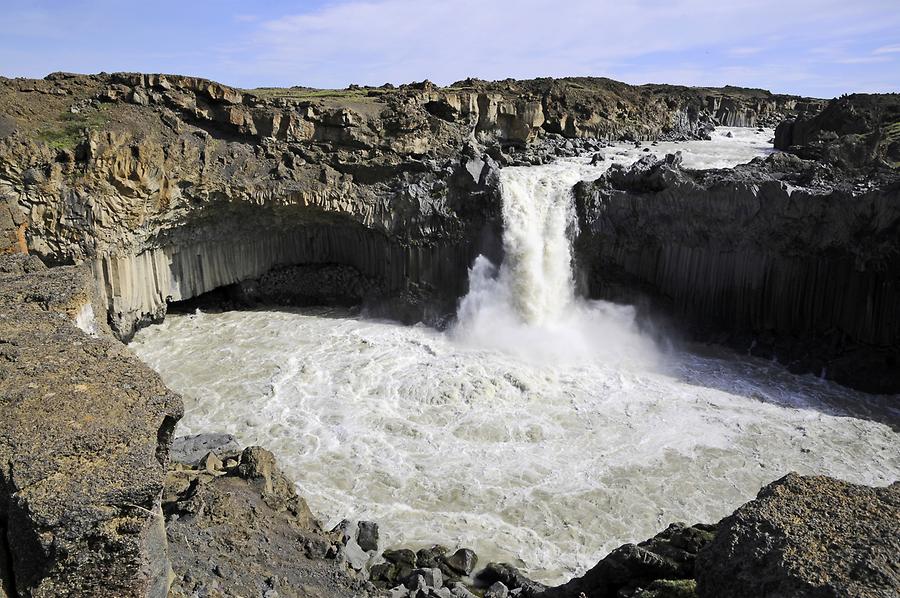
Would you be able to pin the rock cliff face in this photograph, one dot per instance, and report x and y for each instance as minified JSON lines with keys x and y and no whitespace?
{"x":172,"y":186}
{"x":84,"y":439}
{"x":786,"y":263}
{"x":852,"y":131}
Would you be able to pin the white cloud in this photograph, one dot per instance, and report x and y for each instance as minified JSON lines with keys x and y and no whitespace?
{"x":892,"y":49}
{"x":373,"y":41}
{"x":864,"y":60}
{"x":745,"y":50}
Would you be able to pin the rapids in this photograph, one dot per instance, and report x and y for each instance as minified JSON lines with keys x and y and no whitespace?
{"x":542,"y":429}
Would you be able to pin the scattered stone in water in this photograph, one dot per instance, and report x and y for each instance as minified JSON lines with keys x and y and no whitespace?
{"x":462,"y":562}
{"x":432,"y":578}
{"x":461,"y":591}
{"x":367,"y":535}
{"x":431,"y":557}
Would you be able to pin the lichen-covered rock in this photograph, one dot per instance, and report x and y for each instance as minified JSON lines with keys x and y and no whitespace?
{"x":807,"y":537}
{"x":84,"y":434}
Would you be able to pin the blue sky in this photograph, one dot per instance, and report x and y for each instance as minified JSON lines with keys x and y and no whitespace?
{"x":812,"y":47}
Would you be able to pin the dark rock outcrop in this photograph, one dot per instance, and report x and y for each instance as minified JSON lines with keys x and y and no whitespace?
{"x":807,"y":537}
{"x":633,"y":569}
{"x":787,"y":257}
{"x":854,"y":131}
{"x":84,"y":435}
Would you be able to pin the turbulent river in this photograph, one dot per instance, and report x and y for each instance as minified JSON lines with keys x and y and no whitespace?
{"x":542,"y":429}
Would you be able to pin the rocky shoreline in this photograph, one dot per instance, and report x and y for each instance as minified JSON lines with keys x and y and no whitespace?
{"x":146,"y":190}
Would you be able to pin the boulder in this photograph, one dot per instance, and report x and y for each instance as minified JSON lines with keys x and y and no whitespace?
{"x":670,"y":555}
{"x":430,"y":557}
{"x":190,"y":449}
{"x":807,"y":537}
{"x":511,"y":577}
{"x":431,"y":577}
{"x":367,"y":535}
{"x":462,"y":562}
{"x":497,"y":590}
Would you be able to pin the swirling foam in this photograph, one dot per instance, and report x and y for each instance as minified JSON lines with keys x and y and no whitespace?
{"x":543,"y":430}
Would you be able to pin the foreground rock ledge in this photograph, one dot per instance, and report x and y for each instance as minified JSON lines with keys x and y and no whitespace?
{"x":84,"y":432}
{"x":807,"y":537}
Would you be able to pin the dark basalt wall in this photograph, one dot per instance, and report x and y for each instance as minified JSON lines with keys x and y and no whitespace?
{"x":138,"y":288}
{"x":812,"y":278}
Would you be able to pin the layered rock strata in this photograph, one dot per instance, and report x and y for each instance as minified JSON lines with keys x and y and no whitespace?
{"x":173,"y":186}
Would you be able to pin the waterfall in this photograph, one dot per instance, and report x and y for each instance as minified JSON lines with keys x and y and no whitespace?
{"x":527,"y":306}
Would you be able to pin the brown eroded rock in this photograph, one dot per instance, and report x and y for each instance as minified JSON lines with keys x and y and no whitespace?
{"x":242,"y":530}
{"x":807,"y":537}
{"x":84,"y":429}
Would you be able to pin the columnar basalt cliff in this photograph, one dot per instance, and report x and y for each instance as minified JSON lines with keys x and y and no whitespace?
{"x":173,"y":186}
{"x":789,"y":258}
{"x":148,"y":189}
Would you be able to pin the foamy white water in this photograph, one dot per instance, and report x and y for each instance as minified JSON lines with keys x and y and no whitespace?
{"x":543,"y":430}
{"x":527,"y":307}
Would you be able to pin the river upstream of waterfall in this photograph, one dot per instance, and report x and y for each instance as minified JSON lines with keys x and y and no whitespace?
{"x":541,"y":429}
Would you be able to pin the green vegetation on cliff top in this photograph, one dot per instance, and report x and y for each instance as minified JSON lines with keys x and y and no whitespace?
{"x":69,"y":129}
{"x":306,"y":93}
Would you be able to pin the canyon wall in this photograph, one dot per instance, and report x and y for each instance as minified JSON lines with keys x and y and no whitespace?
{"x":810,"y":276}
{"x":84,"y":438}
{"x":172,"y":186}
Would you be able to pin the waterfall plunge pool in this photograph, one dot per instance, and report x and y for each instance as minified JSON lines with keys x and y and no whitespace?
{"x":542,"y":430}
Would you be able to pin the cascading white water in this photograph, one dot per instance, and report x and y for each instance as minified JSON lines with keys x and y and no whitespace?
{"x":528,"y":306}
{"x":538,"y":216}
{"x":534,"y":433}
{"x":535,"y":280}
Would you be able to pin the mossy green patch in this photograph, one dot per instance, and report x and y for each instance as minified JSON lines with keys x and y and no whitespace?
{"x":69,"y":129}
{"x":303,"y":93}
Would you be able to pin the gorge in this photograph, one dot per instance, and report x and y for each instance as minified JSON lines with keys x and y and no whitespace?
{"x":536,"y":421}
{"x":574,"y":424}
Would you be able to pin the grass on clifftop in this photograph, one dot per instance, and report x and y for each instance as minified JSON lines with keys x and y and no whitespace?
{"x":302,"y":93}
{"x":68,"y":129}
